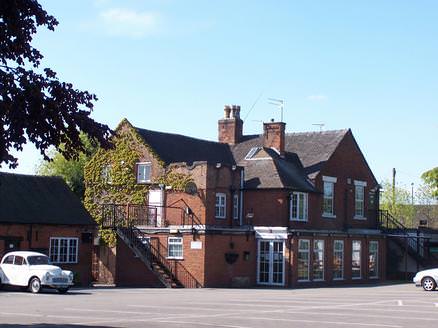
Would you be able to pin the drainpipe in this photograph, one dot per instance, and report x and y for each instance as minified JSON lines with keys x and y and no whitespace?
{"x":242,"y":173}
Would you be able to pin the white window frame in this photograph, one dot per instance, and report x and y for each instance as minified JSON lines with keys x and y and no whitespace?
{"x":220,"y":206}
{"x":341,"y":252}
{"x":138,"y":171}
{"x":236,"y":206}
{"x":175,"y":241}
{"x":105,"y":173}
{"x":298,"y":208}
{"x":331,"y":181}
{"x":271,"y":259}
{"x":376,"y":251}
{"x":306,"y":241}
{"x":359,"y":185}
{"x":322,"y":250}
{"x":360,"y":258}
{"x":55,"y":258}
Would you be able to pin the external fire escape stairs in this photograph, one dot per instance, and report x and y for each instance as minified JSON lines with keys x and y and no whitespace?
{"x":125,"y":220}
{"x":408,"y":240}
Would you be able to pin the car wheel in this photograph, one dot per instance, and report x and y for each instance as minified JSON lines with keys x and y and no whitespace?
{"x":35,"y":285}
{"x":428,"y":284}
{"x":63,"y":290}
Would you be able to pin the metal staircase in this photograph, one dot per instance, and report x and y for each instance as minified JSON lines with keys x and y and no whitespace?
{"x":407,"y":239}
{"x":123,"y":219}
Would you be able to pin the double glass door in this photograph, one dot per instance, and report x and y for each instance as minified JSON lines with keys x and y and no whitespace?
{"x":270,"y":262}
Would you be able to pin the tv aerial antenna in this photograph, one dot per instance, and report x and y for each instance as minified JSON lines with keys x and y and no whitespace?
{"x":321,"y":125}
{"x":279,"y":103}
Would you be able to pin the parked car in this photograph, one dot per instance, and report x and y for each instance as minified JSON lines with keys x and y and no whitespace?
{"x":427,"y":279}
{"x":34,"y":271}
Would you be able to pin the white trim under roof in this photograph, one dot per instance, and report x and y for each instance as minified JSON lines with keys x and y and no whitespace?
{"x":271,"y":232}
{"x":329,"y":179}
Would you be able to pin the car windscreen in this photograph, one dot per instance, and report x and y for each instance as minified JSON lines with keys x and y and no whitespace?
{"x":38,"y":260}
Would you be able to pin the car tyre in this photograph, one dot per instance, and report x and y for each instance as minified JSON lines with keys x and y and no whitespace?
{"x":63,"y":290}
{"x":428,"y":284}
{"x":35,"y":285}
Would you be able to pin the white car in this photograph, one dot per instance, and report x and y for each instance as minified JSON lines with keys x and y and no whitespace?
{"x":33,"y":270}
{"x":427,"y":279}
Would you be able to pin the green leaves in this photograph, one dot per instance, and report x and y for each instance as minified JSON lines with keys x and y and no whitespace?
{"x":431,"y":179}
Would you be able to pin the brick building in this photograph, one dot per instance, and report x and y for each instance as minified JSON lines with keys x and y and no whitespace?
{"x":278,"y":209}
{"x":41,"y":213}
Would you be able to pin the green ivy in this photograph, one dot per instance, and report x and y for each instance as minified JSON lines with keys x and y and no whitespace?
{"x":123,"y":188}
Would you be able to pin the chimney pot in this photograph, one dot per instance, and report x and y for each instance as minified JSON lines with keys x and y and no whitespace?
{"x":227,"y":110}
{"x":274,"y":136}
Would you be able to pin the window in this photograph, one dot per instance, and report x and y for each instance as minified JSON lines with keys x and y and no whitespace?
{"x":356,"y":259}
{"x":9,"y":260}
{"x":303,"y":259}
{"x":338,"y":260}
{"x":19,"y":260}
{"x":298,"y":206}
{"x":221,"y":202}
{"x":143,"y":172}
{"x":329,"y":193}
{"x":175,"y":247}
{"x":318,"y":260}
{"x":236,"y":207}
{"x":359,"y":193}
{"x":63,"y":250}
{"x":105,"y":174}
{"x":373,"y":256}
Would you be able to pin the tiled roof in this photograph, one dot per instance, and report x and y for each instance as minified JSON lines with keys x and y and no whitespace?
{"x":39,"y":199}
{"x":305,"y":154}
{"x":174,"y":148}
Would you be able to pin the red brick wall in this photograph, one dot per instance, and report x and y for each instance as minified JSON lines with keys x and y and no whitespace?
{"x":219,"y":273}
{"x":40,"y":240}
{"x":270,"y":207}
{"x":131,"y":271}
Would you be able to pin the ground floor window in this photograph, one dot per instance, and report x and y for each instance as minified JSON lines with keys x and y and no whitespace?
{"x":63,"y":250}
{"x":373,"y":255}
{"x":271,"y":262}
{"x":175,"y":247}
{"x":318,"y":260}
{"x":338,"y":259}
{"x":303,"y":259}
{"x":356,"y":259}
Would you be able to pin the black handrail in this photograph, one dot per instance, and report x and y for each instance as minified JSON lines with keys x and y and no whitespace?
{"x":153,"y":254}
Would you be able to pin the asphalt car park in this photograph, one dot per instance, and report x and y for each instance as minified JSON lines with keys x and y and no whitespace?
{"x":399,"y":305}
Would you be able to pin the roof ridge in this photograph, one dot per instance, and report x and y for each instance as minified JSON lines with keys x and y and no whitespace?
{"x":179,"y":135}
{"x":318,"y":132}
{"x":32,"y":175}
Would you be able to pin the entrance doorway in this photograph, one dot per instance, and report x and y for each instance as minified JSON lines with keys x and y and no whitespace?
{"x":270,"y":262}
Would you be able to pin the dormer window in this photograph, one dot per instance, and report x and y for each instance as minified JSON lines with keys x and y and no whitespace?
{"x":252,"y":152}
{"x":144,"y":172}
{"x":256,"y":153}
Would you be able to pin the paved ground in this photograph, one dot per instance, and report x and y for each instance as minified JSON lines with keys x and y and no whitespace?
{"x":382,"y":306}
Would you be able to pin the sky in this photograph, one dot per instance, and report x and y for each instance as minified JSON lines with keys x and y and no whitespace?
{"x":171,"y":65}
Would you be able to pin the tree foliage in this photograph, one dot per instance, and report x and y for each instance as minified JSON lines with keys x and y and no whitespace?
{"x":431,"y":179}
{"x":34,"y":103}
{"x":400,"y":206}
{"x":72,"y":171}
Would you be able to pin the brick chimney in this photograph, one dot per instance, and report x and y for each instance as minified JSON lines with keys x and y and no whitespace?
{"x":231,"y":126}
{"x":273,"y":135}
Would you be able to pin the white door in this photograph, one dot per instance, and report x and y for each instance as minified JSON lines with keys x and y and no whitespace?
{"x":270,"y":262}
{"x":156,"y":199}
{"x":21,"y":271}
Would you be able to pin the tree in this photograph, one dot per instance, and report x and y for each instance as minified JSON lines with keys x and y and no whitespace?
{"x":34,"y":104}
{"x":431,"y":179}
{"x":72,"y":171}
{"x":401,"y":207}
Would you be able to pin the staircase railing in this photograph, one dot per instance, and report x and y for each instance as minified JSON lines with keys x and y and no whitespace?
{"x":414,"y":244}
{"x":152,"y":252}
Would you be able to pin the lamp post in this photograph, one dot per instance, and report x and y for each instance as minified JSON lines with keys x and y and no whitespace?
{"x":412,"y":193}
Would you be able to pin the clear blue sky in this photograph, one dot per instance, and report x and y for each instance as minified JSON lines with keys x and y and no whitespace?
{"x":171,"y":65}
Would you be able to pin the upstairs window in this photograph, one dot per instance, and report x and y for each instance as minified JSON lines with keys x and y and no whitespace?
{"x":298,"y":206}
{"x":143,"y":172}
{"x":359,"y":199}
{"x":221,"y":202}
{"x":236,"y":207}
{"x":329,"y":195}
{"x":105,"y":174}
